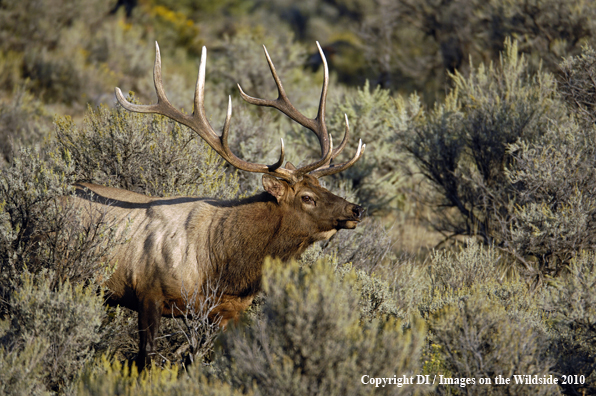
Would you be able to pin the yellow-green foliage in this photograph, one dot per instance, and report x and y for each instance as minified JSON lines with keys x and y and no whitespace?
{"x":66,"y":50}
{"x":309,"y":338}
{"x":10,"y":62}
{"x":416,"y":41}
{"x":572,"y":304}
{"x":482,"y":326}
{"x":23,"y":122}
{"x":577,"y":82}
{"x":376,"y":297}
{"x":174,"y":27}
{"x":51,"y":263}
{"x":469,"y":266}
{"x":21,"y":369}
{"x":63,"y":323}
{"x":466,"y":148}
{"x":480,"y":339}
{"x":555,"y":205}
{"x":475,"y":272}
{"x":114,"y":378}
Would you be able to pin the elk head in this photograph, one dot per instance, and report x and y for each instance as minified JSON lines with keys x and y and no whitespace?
{"x":296,"y":188}
{"x":319,"y":212}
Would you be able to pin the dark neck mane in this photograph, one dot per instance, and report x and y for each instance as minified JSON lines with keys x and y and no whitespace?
{"x":243,"y":233}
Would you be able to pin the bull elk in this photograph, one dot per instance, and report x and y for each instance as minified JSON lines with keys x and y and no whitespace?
{"x":176,"y":242}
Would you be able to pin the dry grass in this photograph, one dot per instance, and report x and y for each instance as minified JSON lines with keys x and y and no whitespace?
{"x":413,"y":238}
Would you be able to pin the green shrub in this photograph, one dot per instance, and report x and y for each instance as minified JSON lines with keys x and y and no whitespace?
{"x":461,"y":146}
{"x":551,"y":212}
{"x":51,"y":266}
{"x":39,"y":229}
{"x":553,"y":216}
{"x":368,"y":247}
{"x":42,"y":23}
{"x":377,"y":295}
{"x":21,"y":368}
{"x":476,"y":272}
{"x":145,"y":154}
{"x":570,"y":303}
{"x":479,"y":339}
{"x":409,"y":282}
{"x":470,"y":266}
{"x":10,"y":69}
{"x":376,"y":299}
{"x":63,"y":72}
{"x":172,"y":25}
{"x":105,"y":377}
{"x":57,"y":77}
{"x":70,"y":52}
{"x":577,"y":83}
{"x":67,"y":317}
{"x":23,"y":122}
{"x":482,"y":324}
{"x":243,"y":62}
{"x":378,"y":119}
{"x":310,"y":340}
{"x":510,"y":162}
{"x":120,"y":55}
{"x":410,"y":43}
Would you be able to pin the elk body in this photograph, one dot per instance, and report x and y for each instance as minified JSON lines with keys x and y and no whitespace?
{"x":182,"y":243}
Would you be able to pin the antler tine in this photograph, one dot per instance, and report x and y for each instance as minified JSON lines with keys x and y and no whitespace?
{"x":335,"y":152}
{"x":201,"y":124}
{"x":345,"y":139}
{"x":282,"y":103}
{"x":323,"y":100}
{"x":162,"y":105}
{"x":220,"y":144}
{"x":326,"y":148}
{"x":199,"y":100}
{"x":332,"y":169}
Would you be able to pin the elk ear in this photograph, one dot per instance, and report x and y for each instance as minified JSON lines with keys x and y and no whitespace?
{"x":275,"y":187}
{"x":290,"y":166}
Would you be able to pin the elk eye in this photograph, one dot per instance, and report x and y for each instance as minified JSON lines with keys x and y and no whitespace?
{"x":308,"y":199}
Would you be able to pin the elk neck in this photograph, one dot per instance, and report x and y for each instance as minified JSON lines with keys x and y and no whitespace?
{"x":242,"y":233}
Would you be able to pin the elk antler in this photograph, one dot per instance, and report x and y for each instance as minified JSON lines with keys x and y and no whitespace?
{"x":198,"y":122}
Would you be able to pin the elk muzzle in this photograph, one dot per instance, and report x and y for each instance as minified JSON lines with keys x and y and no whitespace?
{"x":357,"y":210}
{"x":354,"y":216}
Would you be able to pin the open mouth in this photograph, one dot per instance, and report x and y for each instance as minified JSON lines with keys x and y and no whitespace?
{"x":349,"y":224}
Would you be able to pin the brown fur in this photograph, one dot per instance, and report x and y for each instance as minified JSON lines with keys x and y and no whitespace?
{"x":187,"y":243}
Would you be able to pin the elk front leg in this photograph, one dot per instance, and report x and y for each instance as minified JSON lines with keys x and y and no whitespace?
{"x":149,"y":317}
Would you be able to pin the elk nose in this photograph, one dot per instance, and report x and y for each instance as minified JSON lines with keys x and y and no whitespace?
{"x":357,"y":210}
